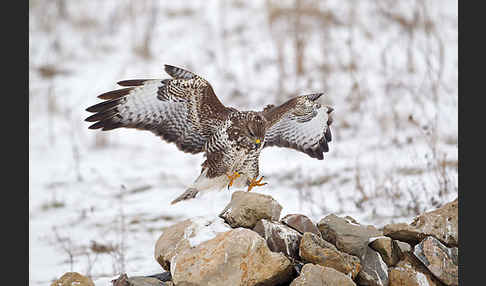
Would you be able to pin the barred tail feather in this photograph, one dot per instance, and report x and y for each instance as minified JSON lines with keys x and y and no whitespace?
{"x":188,"y":194}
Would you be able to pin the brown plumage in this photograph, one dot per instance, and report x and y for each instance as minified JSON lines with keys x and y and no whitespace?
{"x":184,"y":110}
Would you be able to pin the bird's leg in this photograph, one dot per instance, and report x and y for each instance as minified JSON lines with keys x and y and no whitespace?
{"x":255,"y":183}
{"x":232,"y":178}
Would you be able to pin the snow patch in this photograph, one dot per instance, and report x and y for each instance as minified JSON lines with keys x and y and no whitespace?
{"x":371,"y":239}
{"x":104,"y":281}
{"x":422,"y":279}
{"x":203,"y":229}
{"x":352,"y":223}
{"x":173,"y":264}
{"x":287,"y":234}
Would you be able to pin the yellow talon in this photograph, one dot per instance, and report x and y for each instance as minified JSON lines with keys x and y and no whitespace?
{"x":232,"y":178}
{"x":255,"y":183}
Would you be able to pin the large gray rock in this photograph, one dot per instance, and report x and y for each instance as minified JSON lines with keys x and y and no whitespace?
{"x":346,"y":234}
{"x":186,"y":234}
{"x":246,"y":208}
{"x":410,"y":272}
{"x":236,"y":257}
{"x":441,"y":223}
{"x":316,"y":275}
{"x":301,"y":223}
{"x":316,"y":250}
{"x":279,"y":237}
{"x":388,"y":249}
{"x":440,"y":260}
{"x":374,"y":271}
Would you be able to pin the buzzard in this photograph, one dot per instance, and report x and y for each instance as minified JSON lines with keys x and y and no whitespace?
{"x":184,"y":110}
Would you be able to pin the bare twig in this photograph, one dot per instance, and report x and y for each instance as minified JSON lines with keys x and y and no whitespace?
{"x":66,"y":245}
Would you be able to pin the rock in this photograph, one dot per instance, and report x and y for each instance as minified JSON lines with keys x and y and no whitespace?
{"x":410,"y":272}
{"x":346,"y":234}
{"x":316,"y":275}
{"x":166,"y":276}
{"x":170,"y":242}
{"x":124,"y":280}
{"x":279,"y":237}
{"x":403,"y":232}
{"x":316,"y":250}
{"x":374,"y":272}
{"x":301,"y":223}
{"x":298,"y":265}
{"x":388,"y":249}
{"x":186,"y":234}
{"x":236,"y":257}
{"x":441,"y":223}
{"x":404,"y":247}
{"x":246,"y":209}
{"x":73,"y":278}
{"x":145,"y":281}
{"x":440,"y":260}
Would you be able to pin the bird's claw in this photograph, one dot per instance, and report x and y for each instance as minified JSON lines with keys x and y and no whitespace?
{"x":232,"y":178}
{"x":256,"y":183}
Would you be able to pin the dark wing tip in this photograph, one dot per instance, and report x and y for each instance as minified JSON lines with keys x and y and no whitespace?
{"x":314,"y":96}
{"x":105,"y":105}
{"x":132,"y":82}
{"x":106,"y":115}
{"x":115,"y":93}
{"x":106,"y":124}
{"x":324,"y":147}
{"x":328,"y":134}
{"x":315,"y":153}
{"x":102,"y":115}
{"x":321,"y":147}
{"x":169,"y":67}
{"x":96,"y":125}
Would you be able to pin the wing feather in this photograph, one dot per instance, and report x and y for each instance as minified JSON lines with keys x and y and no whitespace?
{"x":301,"y":124}
{"x":183,"y":110}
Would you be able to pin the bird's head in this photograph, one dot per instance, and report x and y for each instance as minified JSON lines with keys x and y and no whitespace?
{"x":249,"y":132}
{"x":255,"y":130}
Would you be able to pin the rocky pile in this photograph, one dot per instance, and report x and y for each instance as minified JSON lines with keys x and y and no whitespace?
{"x":249,"y":244}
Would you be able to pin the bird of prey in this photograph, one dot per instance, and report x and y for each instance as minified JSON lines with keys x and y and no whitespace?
{"x":184,"y":110}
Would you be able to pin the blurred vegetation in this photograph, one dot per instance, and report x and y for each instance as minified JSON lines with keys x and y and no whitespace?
{"x":388,"y":67}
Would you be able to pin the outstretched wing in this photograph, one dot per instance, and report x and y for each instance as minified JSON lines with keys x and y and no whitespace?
{"x":183,"y":110}
{"x":301,"y":124}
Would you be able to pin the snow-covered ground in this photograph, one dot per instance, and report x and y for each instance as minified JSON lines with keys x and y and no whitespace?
{"x":389,"y":69}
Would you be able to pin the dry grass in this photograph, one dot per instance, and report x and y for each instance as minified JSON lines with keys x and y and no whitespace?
{"x":76,"y":252}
